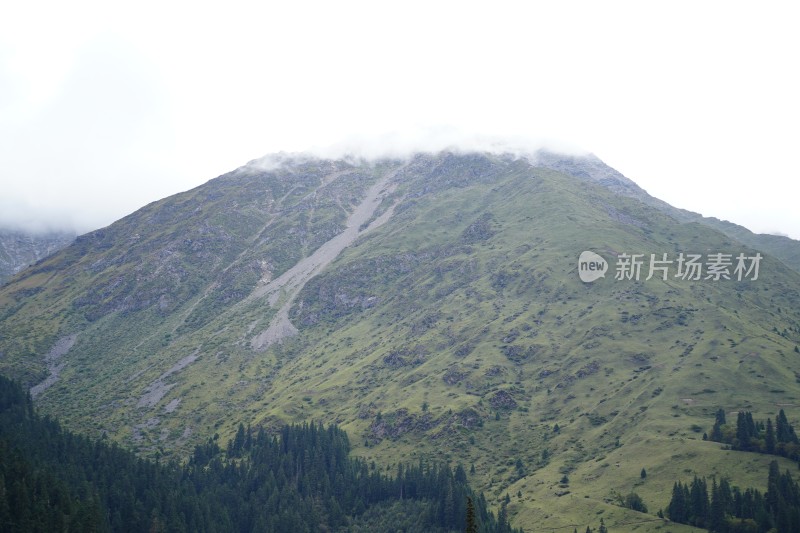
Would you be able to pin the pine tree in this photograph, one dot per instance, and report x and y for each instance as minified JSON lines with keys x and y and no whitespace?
{"x":502,"y":517}
{"x":769,"y":438}
{"x":699,"y":502}
{"x":236,"y":446}
{"x":773,"y":487}
{"x":643,"y":474}
{"x":449,"y":508}
{"x":472,"y":526}
{"x":634,"y":502}
{"x":716,"y":431}
{"x":717,"y":510}
{"x":460,"y":475}
{"x":520,"y":468}
{"x":752,"y":428}
{"x":784,"y":430}
{"x":742,"y":433}
{"x":677,"y":509}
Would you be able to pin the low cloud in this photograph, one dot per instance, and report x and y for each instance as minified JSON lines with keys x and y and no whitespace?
{"x":778,"y":234}
{"x":404,"y":144}
{"x":18,"y":215}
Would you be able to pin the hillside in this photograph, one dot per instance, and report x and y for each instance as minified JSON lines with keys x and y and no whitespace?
{"x":592,"y":168}
{"x":432,"y":308}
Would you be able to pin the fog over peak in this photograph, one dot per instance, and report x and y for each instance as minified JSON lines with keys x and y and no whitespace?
{"x":106,"y":108}
{"x":405,"y":144}
{"x":19,"y":216}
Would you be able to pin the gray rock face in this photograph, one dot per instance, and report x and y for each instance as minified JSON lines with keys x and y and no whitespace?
{"x":54,"y":363}
{"x":19,"y":249}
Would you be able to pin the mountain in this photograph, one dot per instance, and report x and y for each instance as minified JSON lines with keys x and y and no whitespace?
{"x":19,"y":249}
{"x":432,"y":307}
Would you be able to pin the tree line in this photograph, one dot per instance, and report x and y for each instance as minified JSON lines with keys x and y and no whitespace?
{"x":731,"y":510}
{"x":300,"y":479}
{"x":725,"y":509}
{"x":756,"y":436}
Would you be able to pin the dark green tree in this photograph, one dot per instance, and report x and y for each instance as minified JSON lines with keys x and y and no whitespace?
{"x":677,"y":510}
{"x":634,"y":502}
{"x":784,"y":430}
{"x":472,"y":525}
{"x":743,"y":432}
{"x":769,"y":438}
{"x":717,"y":510}
{"x":502,"y":517}
{"x":698,"y":502}
{"x":716,"y":431}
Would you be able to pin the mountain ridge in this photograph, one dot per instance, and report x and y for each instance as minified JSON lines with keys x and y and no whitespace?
{"x":591,"y":167}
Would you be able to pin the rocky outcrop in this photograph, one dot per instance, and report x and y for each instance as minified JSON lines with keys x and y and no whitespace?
{"x":54,"y":362}
{"x":395,"y":425}
{"x":19,"y":249}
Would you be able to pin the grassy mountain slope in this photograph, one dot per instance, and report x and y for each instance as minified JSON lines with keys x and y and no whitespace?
{"x":458,"y":329}
{"x":592,"y":168}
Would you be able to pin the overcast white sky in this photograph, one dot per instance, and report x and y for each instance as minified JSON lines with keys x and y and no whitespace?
{"x":106,"y":106}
